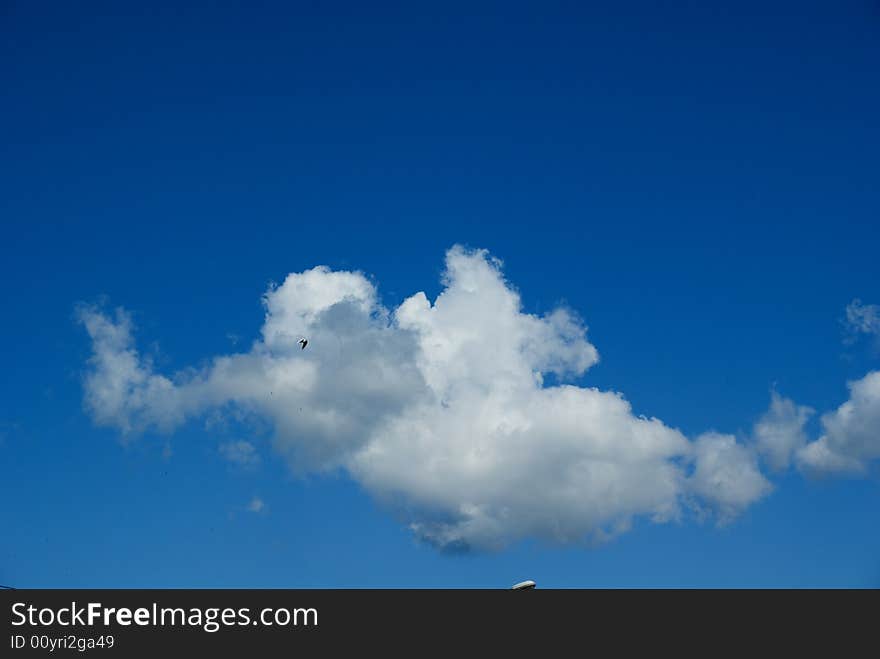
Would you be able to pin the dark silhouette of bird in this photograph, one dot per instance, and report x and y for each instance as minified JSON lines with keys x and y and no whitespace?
{"x":303,"y":342}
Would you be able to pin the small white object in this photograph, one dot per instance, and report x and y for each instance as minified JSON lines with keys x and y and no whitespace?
{"x":524,"y":585}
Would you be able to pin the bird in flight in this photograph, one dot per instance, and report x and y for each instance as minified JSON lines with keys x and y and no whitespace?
{"x":303,"y":342}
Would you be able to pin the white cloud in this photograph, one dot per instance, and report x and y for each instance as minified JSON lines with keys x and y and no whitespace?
{"x":779,"y":434}
{"x":241,"y":453}
{"x":121,"y":390}
{"x":862,"y":318}
{"x":851,"y":433}
{"x":256,"y":505}
{"x":850,"y":437}
{"x":726,"y":474}
{"x":439,"y":409}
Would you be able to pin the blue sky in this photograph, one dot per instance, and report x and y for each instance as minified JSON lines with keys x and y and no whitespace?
{"x":698,"y":184}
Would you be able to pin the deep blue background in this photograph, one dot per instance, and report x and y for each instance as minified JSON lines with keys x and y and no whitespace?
{"x":699,"y":183}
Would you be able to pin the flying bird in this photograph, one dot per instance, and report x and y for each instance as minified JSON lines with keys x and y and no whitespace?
{"x":303,"y":342}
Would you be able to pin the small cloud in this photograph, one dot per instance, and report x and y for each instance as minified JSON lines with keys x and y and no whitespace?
{"x":779,"y":433}
{"x":726,"y":475}
{"x":233,"y":338}
{"x":861,"y":319}
{"x":242,"y":453}
{"x":256,"y":505}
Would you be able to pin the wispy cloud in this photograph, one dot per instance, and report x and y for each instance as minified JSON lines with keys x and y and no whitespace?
{"x":256,"y":505}
{"x":861,"y":319}
{"x":240,"y":452}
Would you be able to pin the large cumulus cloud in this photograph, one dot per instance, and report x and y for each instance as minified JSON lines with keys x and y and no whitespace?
{"x":439,"y":409}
